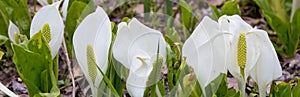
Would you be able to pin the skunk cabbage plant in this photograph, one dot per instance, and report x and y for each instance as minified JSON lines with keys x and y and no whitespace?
{"x":13,"y":30}
{"x":138,"y":48}
{"x":48,"y":20}
{"x":251,"y":53}
{"x":205,"y":52}
{"x":234,"y":44}
{"x":92,"y":41}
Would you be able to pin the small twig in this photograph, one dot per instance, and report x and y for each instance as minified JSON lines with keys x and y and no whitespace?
{"x":69,"y":67}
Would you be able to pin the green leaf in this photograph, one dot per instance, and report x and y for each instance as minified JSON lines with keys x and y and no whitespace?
{"x":108,"y":82}
{"x":4,"y":17}
{"x":30,"y":74}
{"x":147,"y":9}
{"x":274,"y":6}
{"x":156,"y":71}
{"x":281,"y":90}
{"x":296,"y":90}
{"x":217,"y":87}
{"x":295,"y":32}
{"x":76,"y":13}
{"x":161,"y":87}
{"x":282,"y":30}
{"x":263,"y":4}
{"x":197,"y":92}
{"x":277,"y":14}
{"x":21,"y":16}
{"x":231,"y":8}
{"x":17,"y":11}
{"x":1,"y":54}
{"x":215,"y":13}
{"x":3,"y":39}
{"x":172,"y":34}
{"x":39,"y":78}
{"x":55,"y":66}
{"x":186,"y":13}
{"x":169,"y":7}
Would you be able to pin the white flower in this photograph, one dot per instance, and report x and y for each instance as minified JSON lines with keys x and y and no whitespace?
{"x":231,"y":42}
{"x":205,"y":52}
{"x":12,"y":31}
{"x":136,"y":47}
{"x":251,"y":53}
{"x":64,"y":7}
{"x":91,"y":43}
{"x":49,"y":21}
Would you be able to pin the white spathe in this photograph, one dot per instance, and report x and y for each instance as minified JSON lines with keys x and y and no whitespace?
{"x":64,"y":7}
{"x":261,"y":62}
{"x":94,"y":30}
{"x":49,"y":14}
{"x":136,"y":47}
{"x":205,"y":52}
{"x":12,"y":29}
{"x":214,"y":46}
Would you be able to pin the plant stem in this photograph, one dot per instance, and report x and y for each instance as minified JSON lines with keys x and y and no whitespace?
{"x":69,"y":67}
{"x":242,"y":87}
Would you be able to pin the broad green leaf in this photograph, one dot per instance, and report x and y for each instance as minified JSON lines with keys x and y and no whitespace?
{"x":277,"y":13}
{"x":39,"y":78}
{"x":30,"y":74}
{"x":21,"y":16}
{"x":281,"y":28}
{"x":186,"y":14}
{"x":4,"y":17}
{"x":17,"y":11}
{"x":277,"y":7}
{"x":295,"y":32}
{"x":76,"y":13}
{"x":38,"y":44}
{"x":231,"y":8}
